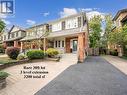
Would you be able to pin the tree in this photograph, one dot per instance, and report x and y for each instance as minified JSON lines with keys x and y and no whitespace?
{"x":108,"y":28}
{"x":95,"y":35}
{"x":119,"y":37}
{"x":2,"y":25}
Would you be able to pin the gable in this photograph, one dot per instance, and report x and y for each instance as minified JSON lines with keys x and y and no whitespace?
{"x":14,"y":28}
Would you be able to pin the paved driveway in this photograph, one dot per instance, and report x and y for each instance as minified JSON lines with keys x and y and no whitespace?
{"x":94,"y":77}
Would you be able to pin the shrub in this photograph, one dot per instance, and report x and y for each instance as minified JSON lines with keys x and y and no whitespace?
{"x":2,"y":50}
{"x":13,"y":52}
{"x":114,"y":52}
{"x":51,"y":52}
{"x":21,"y":57}
{"x":3,"y":74}
{"x":35,"y":54}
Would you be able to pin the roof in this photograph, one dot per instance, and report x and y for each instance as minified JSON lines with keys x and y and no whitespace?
{"x":119,"y":12}
{"x":67,"y":17}
{"x":124,"y":19}
{"x":38,"y":25}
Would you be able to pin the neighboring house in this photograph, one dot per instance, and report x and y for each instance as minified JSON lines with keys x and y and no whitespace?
{"x":12,"y":37}
{"x":34,"y":37}
{"x":120,"y":19}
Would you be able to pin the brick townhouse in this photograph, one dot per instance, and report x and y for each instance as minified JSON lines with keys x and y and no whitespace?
{"x":68,"y":35}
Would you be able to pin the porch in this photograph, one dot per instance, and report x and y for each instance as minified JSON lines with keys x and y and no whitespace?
{"x":75,"y":43}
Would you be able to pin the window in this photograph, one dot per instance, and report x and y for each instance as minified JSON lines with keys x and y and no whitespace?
{"x":63,"y":25}
{"x":16,"y":34}
{"x":62,"y":43}
{"x":50,"y":27}
{"x":12,"y":35}
{"x":4,"y":37}
{"x":79,"y":21}
{"x":58,"y":43}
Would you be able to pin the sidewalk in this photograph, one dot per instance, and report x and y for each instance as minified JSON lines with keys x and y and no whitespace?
{"x":119,"y":63}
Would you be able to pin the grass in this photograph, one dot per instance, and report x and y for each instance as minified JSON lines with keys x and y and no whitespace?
{"x":6,"y":60}
{"x":124,"y":57}
{"x":3,"y":74}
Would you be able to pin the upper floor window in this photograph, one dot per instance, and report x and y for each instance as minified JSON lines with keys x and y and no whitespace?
{"x":63,"y":25}
{"x":12,"y":35}
{"x":17,"y":34}
{"x":50,"y":27}
{"x":57,"y":26}
{"x":4,"y":37}
{"x":72,"y":23}
{"x":79,"y":21}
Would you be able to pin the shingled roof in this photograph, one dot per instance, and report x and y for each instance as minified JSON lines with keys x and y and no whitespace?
{"x":118,"y":13}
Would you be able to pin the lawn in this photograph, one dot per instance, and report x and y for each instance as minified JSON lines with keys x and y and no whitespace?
{"x":6,"y":60}
{"x":124,"y":57}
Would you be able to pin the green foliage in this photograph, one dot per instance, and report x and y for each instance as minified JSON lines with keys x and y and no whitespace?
{"x":13,"y":52}
{"x":2,"y":49}
{"x":21,"y":57}
{"x":95,"y":27}
{"x":108,"y":29}
{"x":51,"y":52}
{"x":3,"y":74}
{"x":35,"y":54}
{"x":2,"y":25}
{"x":114,"y":52}
{"x":119,"y":36}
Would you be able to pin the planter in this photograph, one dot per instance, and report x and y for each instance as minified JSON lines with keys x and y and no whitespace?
{"x":2,"y":82}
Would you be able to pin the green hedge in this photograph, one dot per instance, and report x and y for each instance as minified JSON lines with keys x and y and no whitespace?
{"x":35,"y":54}
{"x":2,"y":49}
{"x":51,"y":52}
{"x":3,"y":74}
{"x":114,"y":52}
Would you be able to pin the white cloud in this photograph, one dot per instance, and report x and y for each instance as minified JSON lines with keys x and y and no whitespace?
{"x":68,"y":11}
{"x":91,"y":14}
{"x":6,"y":22}
{"x":85,"y":9}
{"x":30,"y":22}
{"x":46,"y":14}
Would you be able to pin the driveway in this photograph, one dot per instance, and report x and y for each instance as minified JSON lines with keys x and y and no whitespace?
{"x":94,"y":77}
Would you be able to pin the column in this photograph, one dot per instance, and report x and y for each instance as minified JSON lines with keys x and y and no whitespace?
{"x":4,"y":44}
{"x":21,"y":47}
{"x":15,"y":43}
{"x":81,"y":47}
{"x":67,"y":45}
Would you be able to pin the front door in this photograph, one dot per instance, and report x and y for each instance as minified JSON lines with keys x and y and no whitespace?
{"x":74,"y":49}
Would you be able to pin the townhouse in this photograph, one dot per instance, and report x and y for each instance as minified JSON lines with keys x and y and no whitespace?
{"x":120,"y":19}
{"x":13,"y":37}
{"x":68,"y":35}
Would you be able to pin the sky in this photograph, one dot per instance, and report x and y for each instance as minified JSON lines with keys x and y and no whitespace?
{"x":31,"y":12}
